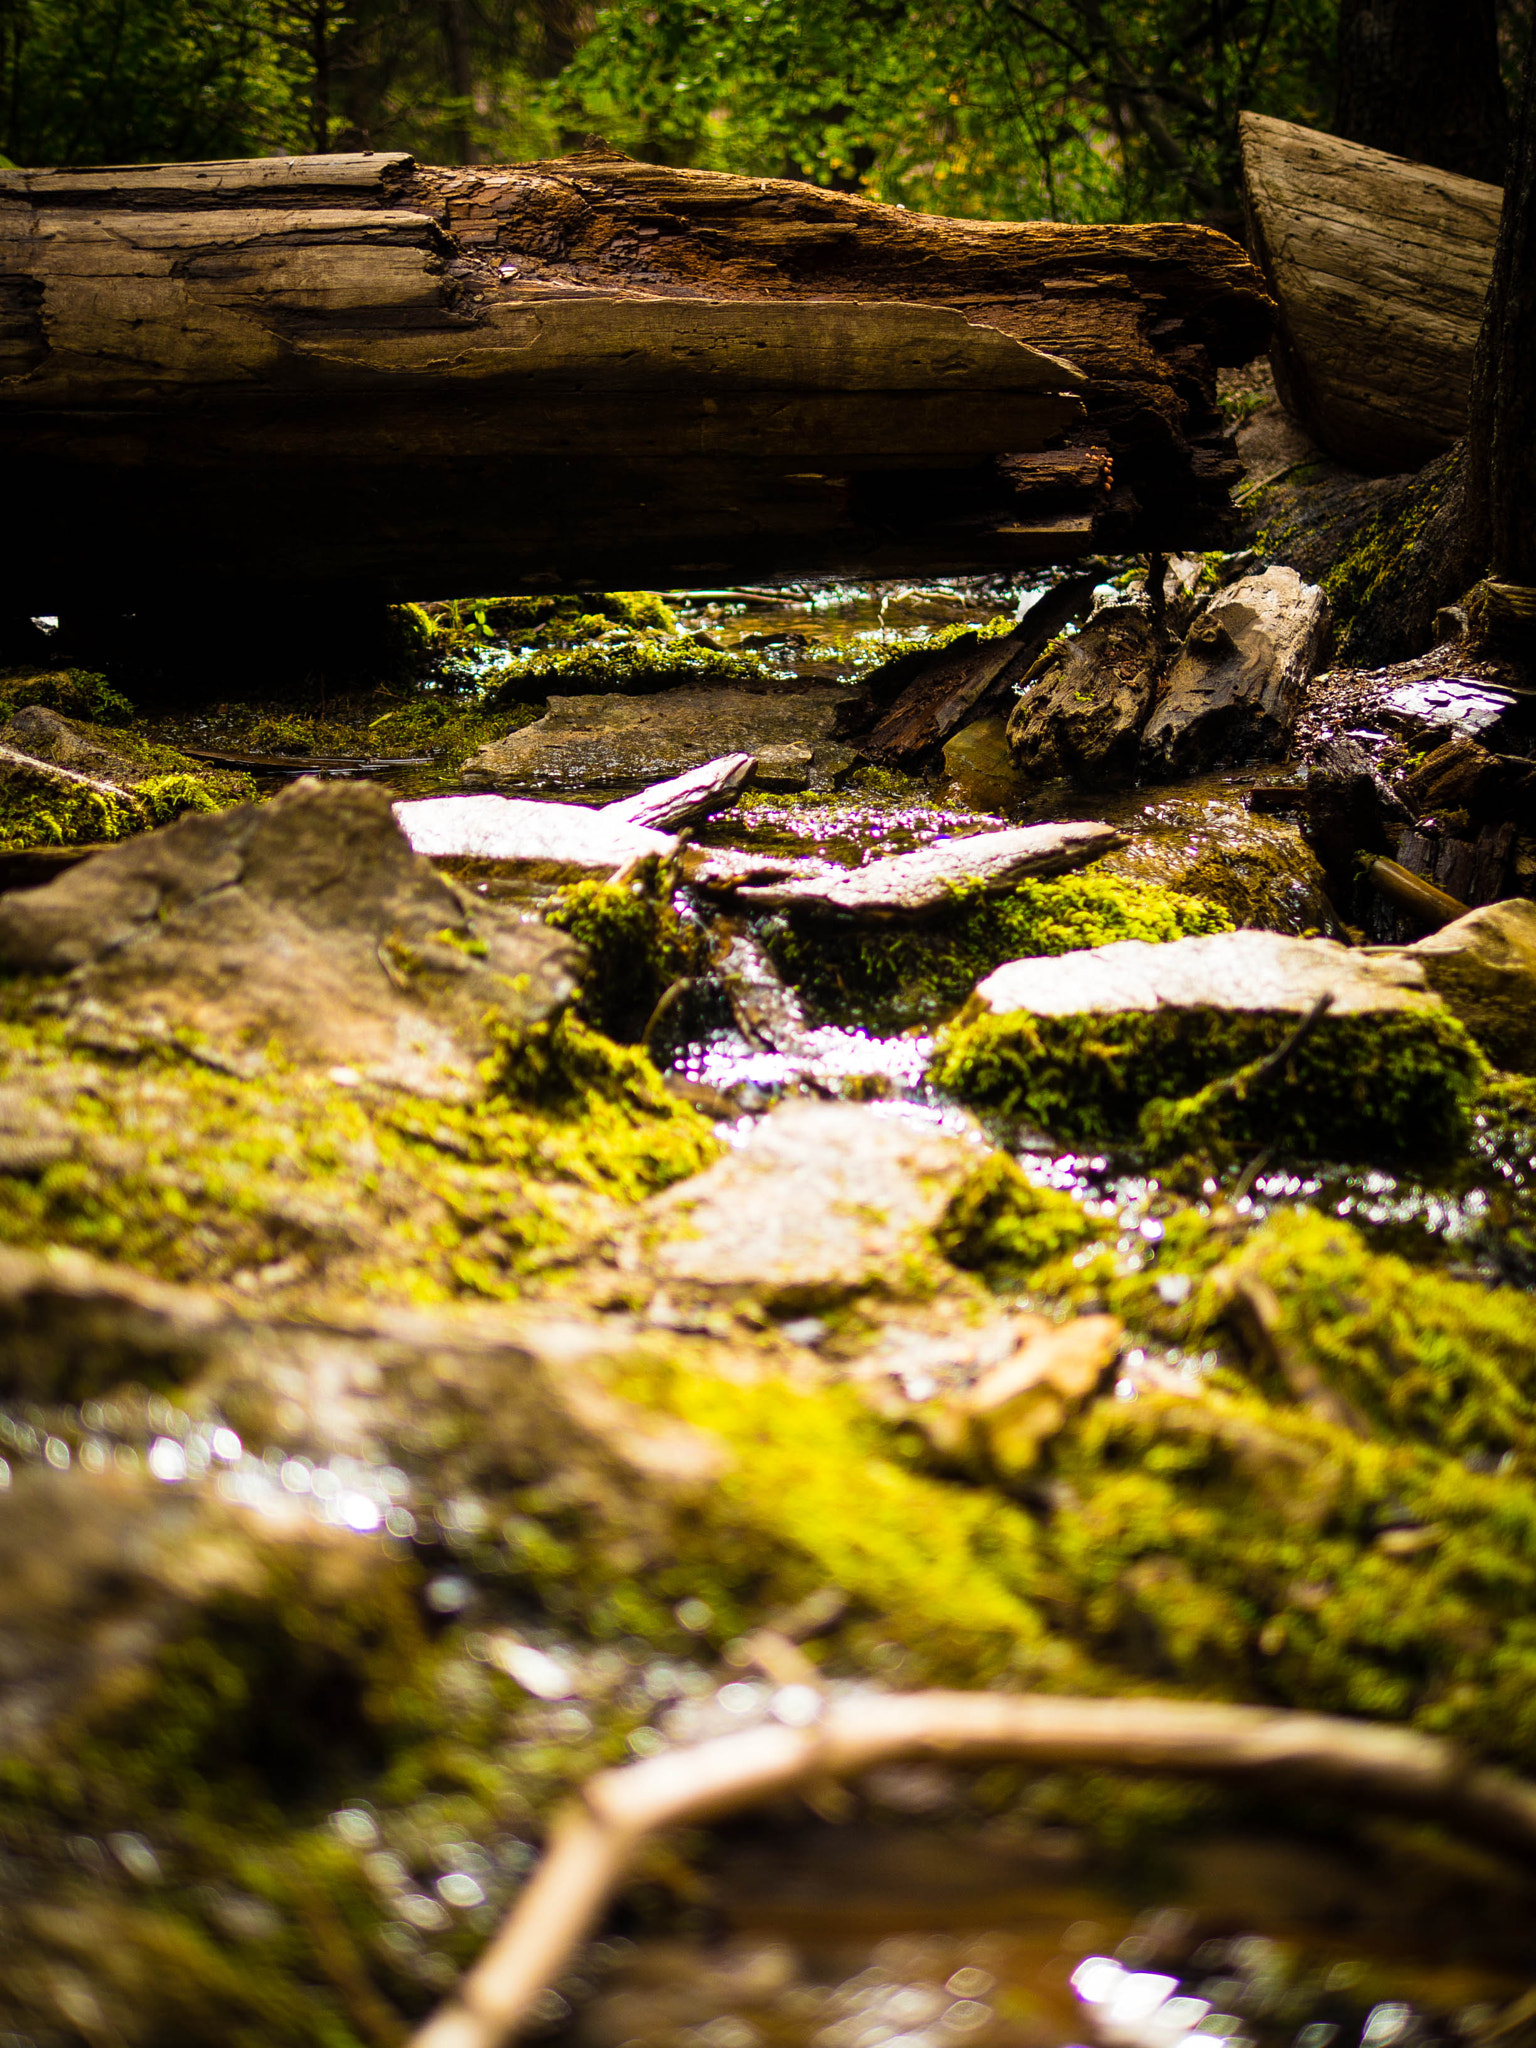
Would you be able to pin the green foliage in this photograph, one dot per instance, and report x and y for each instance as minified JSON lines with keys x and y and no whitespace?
{"x":1389,"y":1085}
{"x":921,"y":973}
{"x":72,"y":692}
{"x":637,"y":947}
{"x":1065,"y":110}
{"x":94,"y":81}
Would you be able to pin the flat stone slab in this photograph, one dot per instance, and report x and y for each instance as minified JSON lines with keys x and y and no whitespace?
{"x":913,"y":883}
{"x":545,"y":842}
{"x":1243,"y":970}
{"x":607,"y":741}
{"x":307,"y":921}
{"x":819,"y":1201}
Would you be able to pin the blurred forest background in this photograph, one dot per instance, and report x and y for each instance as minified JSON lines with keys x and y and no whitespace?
{"x":1076,"y":110}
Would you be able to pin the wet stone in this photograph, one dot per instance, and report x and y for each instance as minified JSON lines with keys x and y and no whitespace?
{"x":1227,"y":971}
{"x":612,"y":741}
{"x":534,"y":842}
{"x":1082,"y":719}
{"x":819,"y":1202}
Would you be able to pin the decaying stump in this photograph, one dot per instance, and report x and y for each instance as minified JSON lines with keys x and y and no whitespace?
{"x":1380,"y":268}
{"x":588,"y":372}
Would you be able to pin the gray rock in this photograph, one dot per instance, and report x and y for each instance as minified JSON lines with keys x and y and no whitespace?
{"x":543,"y":843}
{"x":611,"y":741}
{"x":308,"y":921}
{"x":1238,"y":682}
{"x":1082,"y":718}
{"x":1483,"y":967}
{"x":687,"y":799}
{"x":1233,"y":971}
{"x":819,"y":1201}
{"x":912,"y":883}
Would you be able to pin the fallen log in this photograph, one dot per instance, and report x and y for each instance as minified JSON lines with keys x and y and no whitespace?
{"x":354,"y":372}
{"x":1380,"y":268}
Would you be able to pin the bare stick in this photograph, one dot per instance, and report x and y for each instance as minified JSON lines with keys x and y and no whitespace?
{"x":596,"y":1836}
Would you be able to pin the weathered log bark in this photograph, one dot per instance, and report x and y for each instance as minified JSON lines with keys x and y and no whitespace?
{"x":1380,"y":268}
{"x":357,"y":372}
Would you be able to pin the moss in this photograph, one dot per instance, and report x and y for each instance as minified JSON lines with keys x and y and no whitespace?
{"x":60,"y":816}
{"x":292,"y":1183}
{"x":1001,"y":1224}
{"x":1400,"y":1083}
{"x":1426,"y":1358}
{"x":72,"y":692}
{"x":1366,"y":575}
{"x":636,"y":666}
{"x":919,"y":972}
{"x":637,"y":944}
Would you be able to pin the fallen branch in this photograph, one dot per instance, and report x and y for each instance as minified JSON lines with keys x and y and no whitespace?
{"x":595,"y":1837}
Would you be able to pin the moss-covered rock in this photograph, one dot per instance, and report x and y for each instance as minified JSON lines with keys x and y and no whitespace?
{"x":64,"y":782}
{"x":637,"y":948}
{"x":72,"y":692}
{"x":918,"y":973}
{"x":1361,"y":1087}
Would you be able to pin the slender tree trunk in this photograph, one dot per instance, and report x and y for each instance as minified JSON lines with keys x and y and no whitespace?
{"x":1501,"y":440}
{"x":460,"y":77}
{"x":1421,"y":78}
{"x":320,"y":61}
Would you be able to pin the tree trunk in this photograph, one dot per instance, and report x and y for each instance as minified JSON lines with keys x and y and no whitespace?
{"x":1421,"y":78}
{"x":348,"y":372}
{"x":1501,"y":443}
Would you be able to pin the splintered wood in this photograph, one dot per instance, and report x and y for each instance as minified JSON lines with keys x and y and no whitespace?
{"x":359,"y":372}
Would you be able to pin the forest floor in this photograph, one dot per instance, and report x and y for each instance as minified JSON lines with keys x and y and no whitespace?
{"x":467,"y":1323}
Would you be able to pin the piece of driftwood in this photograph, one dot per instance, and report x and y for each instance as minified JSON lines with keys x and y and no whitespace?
{"x":940,"y":692}
{"x":1380,"y":268}
{"x":357,"y":373}
{"x":596,"y":1837}
{"x":915,"y":884}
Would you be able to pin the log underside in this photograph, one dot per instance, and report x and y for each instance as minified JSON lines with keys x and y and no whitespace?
{"x":355,"y":372}
{"x":1380,"y":268}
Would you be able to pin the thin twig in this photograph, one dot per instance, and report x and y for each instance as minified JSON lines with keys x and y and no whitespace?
{"x":595,"y":1837}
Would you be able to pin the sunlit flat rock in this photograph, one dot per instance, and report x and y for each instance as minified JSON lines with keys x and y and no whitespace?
{"x":553,"y":842}
{"x":1244,"y":970}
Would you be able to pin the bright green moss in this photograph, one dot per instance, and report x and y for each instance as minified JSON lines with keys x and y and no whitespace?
{"x":1386,"y":1085}
{"x":1449,"y":1363}
{"x":918,"y":973}
{"x":943,"y":1570}
{"x":199,"y":1176}
{"x":1001,"y":1224}
{"x":61,"y":816}
{"x":637,"y":948}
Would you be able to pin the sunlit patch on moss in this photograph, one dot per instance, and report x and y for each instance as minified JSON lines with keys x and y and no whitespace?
{"x":917,"y":973}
